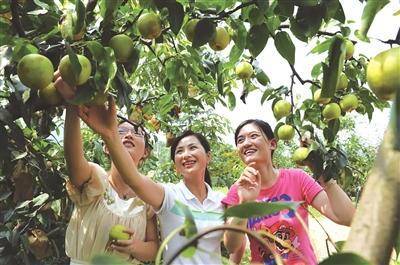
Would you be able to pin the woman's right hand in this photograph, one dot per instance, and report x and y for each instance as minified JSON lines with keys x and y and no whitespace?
{"x":249,"y":184}
{"x":66,"y":91}
{"x":101,"y":119}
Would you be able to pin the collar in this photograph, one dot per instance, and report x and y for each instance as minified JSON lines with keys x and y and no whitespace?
{"x":189,"y":195}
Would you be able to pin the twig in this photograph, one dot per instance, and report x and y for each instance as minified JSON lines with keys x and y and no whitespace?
{"x":148,"y":44}
{"x":328,"y":237}
{"x":301,"y":80}
{"x":129,"y":24}
{"x":319,"y":33}
{"x":223,"y":14}
{"x":173,"y":42}
{"x":292,"y":101}
{"x":15,"y":19}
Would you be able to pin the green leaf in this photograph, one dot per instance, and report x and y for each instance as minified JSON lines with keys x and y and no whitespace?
{"x":39,"y":200}
{"x":368,"y":15}
{"x":333,"y":126}
{"x":133,"y":61}
{"x":231,"y":100}
{"x":240,"y":33}
{"x":331,"y":73}
{"x":306,"y":2}
{"x":266,"y":94}
{"x":204,"y":32}
{"x":285,"y":46}
{"x":340,"y":16}
{"x":284,"y":8}
{"x":189,"y":252}
{"x":106,"y":65}
{"x":262,"y":77}
{"x":256,"y":16}
{"x":175,"y":16}
{"x":85,"y":93}
{"x":397,"y":245}
{"x":80,"y":17}
{"x":316,"y":70}
{"x":104,"y":259}
{"x":220,"y":83}
{"x":322,"y":47}
{"x":331,"y":7}
{"x":190,"y":226}
{"x":22,"y":48}
{"x":108,"y":9}
{"x":259,"y":209}
{"x":345,"y":258}
{"x":307,"y":22}
{"x":257,"y":38}
{"x":234,"y":55}
{"x":76,"y":66}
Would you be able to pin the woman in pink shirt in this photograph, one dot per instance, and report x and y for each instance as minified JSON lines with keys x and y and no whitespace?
{"x":262,"y":182}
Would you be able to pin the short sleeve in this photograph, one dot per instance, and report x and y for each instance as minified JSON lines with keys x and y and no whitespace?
{"x":168,"y":201}
{"x":232,"y":197}
{"x":92,"y":189}
{"x":309,"y":187}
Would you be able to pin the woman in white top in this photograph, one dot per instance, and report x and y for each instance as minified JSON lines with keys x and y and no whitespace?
{"x":191,"y":154}
{"x":102,"y":199}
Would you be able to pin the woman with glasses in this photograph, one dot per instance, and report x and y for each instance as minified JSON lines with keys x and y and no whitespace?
{"x":262,"y":182}
{"x":102,"y":198}
{"x":191,"y":155}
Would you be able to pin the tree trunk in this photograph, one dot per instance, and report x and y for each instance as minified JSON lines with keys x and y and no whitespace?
{"x":376,"y":223}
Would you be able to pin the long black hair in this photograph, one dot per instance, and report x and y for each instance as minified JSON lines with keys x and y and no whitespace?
{"x":203,"y":141}
{"x":262,"y":125}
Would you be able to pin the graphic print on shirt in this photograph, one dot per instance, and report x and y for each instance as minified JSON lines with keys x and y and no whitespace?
{"x":279,"y":228}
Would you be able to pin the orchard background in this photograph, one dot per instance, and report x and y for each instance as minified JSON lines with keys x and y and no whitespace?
{"x":170,"y":77}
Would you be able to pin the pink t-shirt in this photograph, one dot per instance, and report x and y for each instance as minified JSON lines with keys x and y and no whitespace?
{"x":291,"y":185}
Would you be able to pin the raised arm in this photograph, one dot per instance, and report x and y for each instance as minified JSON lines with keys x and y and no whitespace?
{"x":103,"y":120}
{"x":78,"y":167}
{"x":334,"y":203}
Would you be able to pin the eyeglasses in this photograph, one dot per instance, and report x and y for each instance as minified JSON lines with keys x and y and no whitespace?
{"x":135,"y":130}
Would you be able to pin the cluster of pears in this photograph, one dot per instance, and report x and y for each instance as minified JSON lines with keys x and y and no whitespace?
{"x":149,"y":26}
{"x":219,"y":41}
{"x":283,"y":108}
{"x":333,"y":110}
{"x":37,"y":72}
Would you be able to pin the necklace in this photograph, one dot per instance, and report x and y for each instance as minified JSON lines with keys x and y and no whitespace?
{"x":123,"y":195}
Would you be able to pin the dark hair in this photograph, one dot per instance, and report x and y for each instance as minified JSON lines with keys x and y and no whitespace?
{"x":203,"y":141}
{"x":262,"y":125}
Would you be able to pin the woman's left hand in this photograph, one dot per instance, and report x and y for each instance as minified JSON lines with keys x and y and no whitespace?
{"x":101,"y":119}
{"x":125,"y":246}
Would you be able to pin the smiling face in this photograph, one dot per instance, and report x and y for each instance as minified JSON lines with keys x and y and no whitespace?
{"x":190,"y":157}
{"x":253,"y":145}
{"x":133,"y":140}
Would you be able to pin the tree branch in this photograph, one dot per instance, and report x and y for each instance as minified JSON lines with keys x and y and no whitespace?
{"x":148,"y":44}
{"x":292,"y":102}
{"x":302,"y":81}
{"x":15,"y":19}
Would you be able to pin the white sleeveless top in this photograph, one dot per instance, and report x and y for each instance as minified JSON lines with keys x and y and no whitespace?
{"x":98,"y":208}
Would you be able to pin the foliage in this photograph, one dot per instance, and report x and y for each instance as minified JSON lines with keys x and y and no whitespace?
{"x":169,"y":84}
